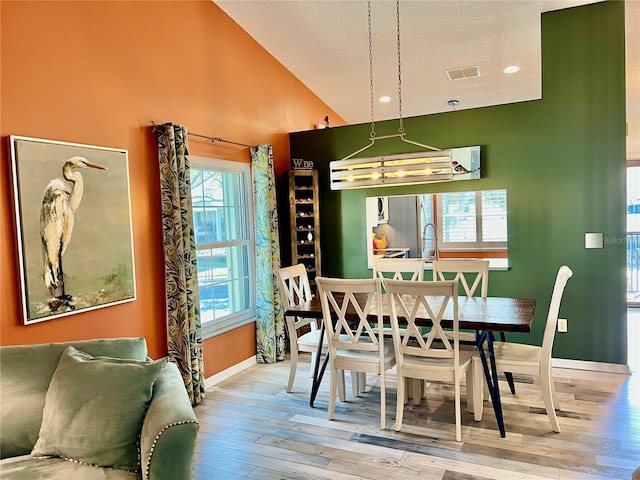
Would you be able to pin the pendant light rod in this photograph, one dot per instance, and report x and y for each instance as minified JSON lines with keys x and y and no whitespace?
{"x":401,"y":132}
{"x":401,"y":129}
{"x":372,"y":135}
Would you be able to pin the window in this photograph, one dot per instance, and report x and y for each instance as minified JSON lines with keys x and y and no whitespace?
{"x":221,"y":203}
{"x":456,"y":224}
{"x":473,"y":220}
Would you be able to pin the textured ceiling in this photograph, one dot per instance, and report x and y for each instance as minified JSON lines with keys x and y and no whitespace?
{"x":325,"y":45}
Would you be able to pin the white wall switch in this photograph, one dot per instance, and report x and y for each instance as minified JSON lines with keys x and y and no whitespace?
{"x":593,"y":240}
{"x":562,"y":325}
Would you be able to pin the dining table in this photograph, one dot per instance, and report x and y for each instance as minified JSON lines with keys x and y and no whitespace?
{"x":484,"y":315}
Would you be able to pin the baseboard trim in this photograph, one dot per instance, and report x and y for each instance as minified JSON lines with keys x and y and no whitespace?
{"x":594,"y":366}
{"x":229,"y":372}
{"x":555,"y":362}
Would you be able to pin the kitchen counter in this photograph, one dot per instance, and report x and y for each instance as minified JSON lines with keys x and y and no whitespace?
{"x":392,"y":252}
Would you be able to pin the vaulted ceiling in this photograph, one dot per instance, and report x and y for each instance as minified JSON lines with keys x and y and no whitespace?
{"x":325,"y":45}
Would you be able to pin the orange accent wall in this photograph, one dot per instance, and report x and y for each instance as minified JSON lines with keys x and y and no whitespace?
{"x":224,"y":350}
{"x":99,"y":73}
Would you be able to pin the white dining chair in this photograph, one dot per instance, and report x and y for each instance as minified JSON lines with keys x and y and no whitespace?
{"x":352,"y":312}
{"x":398,"y":268}
{"x":431,"y":355}
{"x":529,"y":359}
{"x":294,"y":288}
{"x":471,"y":275}
{"x":410,"y":269}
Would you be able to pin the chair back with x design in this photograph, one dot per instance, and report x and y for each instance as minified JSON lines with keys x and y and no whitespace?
{"x":471,"y":274}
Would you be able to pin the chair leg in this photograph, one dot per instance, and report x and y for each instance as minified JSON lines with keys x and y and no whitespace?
{"x":355,"y":384}
{"x":547,"y":397}
{"x":401,"y":395}
{"x":406,"y":384}
{"x":362,"y":382}
{"x":554,"y":395}
{"x":470,"y":394}
{"x":383,"y":400}
{"x":333,"y":386}
{"x":478,"y":390}
{"x":342,"y":391}
{"x":293,"y":367}
{"x":416,"y":389}
{"x":457,"y":404}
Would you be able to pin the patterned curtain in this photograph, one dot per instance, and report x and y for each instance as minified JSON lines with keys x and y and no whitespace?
{"x":183,"y":303}
{"x":270,"y":323}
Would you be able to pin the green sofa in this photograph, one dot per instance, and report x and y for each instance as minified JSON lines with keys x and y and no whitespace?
{"x":164,"y":433}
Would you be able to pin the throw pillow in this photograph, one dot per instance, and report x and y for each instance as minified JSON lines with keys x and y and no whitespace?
{"x":25,"y":375}
{"x":94,"y":409}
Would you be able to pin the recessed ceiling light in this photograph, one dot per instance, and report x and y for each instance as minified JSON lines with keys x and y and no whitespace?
{"x":385,"y":99}
{"x":511,"y":69}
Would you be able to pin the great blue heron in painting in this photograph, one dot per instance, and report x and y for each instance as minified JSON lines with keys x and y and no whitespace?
{"x":57,"y":216}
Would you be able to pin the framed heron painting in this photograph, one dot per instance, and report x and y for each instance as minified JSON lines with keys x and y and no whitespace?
{"x":73,"y":222}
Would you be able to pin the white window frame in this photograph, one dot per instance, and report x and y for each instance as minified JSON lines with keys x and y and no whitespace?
{"x":244,"y":317}
{"x":478,"y":245}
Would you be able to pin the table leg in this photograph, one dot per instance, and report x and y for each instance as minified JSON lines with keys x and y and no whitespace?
{"x":491,"y":376}
{"x":318,"y":372}
{"x":508,"y":375}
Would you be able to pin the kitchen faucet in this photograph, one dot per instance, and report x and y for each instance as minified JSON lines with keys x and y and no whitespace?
{"x":425,"y":252}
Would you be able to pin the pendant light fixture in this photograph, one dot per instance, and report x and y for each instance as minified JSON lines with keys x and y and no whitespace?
{"x":430,"y":165}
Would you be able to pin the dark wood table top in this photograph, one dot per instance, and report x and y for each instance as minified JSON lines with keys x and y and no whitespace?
{"x":497,"y":314}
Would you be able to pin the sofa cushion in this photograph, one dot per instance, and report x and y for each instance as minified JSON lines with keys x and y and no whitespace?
{"x":26,"y":467}
{"x":95,"y":407}
{"x":25,"y":373}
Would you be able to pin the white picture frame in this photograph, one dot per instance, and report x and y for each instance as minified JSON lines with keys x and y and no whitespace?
{"x":73,"y":227}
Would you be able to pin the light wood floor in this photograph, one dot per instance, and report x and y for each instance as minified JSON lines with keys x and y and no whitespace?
{"x":251,"y":428}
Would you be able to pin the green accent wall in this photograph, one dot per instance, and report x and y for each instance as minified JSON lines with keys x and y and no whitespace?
{"x":562,"y":161}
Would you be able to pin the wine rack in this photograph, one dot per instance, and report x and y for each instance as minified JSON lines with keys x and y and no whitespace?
{"x":305,"y":222}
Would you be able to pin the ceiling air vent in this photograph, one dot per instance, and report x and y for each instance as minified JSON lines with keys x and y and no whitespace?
{"x":463,"y":72}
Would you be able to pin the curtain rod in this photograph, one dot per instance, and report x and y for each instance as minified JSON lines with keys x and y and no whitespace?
{"x":219,"y":139}
{"x":212,"y":139}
